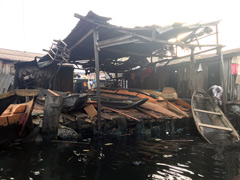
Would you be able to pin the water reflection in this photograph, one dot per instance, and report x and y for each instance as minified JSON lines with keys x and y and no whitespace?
{"x":121,"y":158}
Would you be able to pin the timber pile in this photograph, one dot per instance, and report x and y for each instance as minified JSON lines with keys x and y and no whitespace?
{"x":124,"y":105}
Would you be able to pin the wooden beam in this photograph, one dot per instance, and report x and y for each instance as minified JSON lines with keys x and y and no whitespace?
{"x":223,"y":81}
{"x":201,"y":97}
{"x":96,"y":55}
{"x":208,"y":112}
{"x":129,"y":53}
{"x":216,"y":127}
{"x":116,"y":42}
{"x":53,"y":93}
{"x":82,"y":39}
{"x":117,"y":39}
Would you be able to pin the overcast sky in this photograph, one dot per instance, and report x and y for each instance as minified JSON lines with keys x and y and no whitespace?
{"x":31,"y":25}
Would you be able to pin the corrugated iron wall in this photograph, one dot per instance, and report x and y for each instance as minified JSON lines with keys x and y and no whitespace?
{"x":6,"y":81}
{"x":7,"y":67}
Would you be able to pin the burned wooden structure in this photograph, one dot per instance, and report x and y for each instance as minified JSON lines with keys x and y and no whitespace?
{"x":7,"y":70}
{"x":34,"y":74}
{"x":97,"y":45}
{"x":207,"y":73}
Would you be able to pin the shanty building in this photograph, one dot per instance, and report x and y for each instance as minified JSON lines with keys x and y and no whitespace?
{"x":7,"y":60}
{"x":98,"y":45}
{"x":207,"y":69}
{"x":20,"y":69}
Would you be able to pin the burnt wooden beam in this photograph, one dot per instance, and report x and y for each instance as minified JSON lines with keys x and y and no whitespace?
{"x":82,"y":39}
{"x":125,"y":39}
{"x":96,"y":55}
{"x":129,"y":53}
{"x":223,"y":81}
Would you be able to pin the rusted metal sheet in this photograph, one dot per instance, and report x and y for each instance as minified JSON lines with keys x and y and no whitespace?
{"x":23,"y":56}
{"x":6,"y":80}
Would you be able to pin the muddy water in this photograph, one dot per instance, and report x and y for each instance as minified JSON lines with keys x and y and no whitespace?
{"x":121,"y":158}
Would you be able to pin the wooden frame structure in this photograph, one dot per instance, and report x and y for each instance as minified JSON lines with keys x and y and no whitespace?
{"x":101,"y":43}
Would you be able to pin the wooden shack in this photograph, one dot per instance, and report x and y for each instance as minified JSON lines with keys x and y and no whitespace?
{"x":7,"y":70}
{"x":207,"y":72}
{"x":53,"y":76}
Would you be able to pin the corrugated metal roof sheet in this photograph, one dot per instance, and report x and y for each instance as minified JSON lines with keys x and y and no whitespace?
{"x":6,"y":80}
{"x":144,"y":40}
{"x":13,"y":55}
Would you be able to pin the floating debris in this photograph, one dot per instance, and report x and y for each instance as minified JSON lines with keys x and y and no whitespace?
{"x":137,"y":163}
{"x":76,"y":153}
{"x":167,"y":156}
{"x":108,"y":144}
{"x":69,"y":159}
{"x":36,"y":173}
{"x":182,"y":165}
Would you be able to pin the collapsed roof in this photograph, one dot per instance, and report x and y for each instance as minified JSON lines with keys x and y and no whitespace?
{"x":117,"y":42}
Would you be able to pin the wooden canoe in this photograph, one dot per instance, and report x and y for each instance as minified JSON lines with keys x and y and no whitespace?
{"x":121,"y":103}
{"x":210,"y":121}
{"x":128,"y":93}
{"x":160,"y":104}
{"x":15,"y":117}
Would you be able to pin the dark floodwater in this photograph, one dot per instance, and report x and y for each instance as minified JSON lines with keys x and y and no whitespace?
{"x":126,"y":157}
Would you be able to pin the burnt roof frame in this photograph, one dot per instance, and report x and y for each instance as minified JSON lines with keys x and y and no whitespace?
{"x":153,"y":39}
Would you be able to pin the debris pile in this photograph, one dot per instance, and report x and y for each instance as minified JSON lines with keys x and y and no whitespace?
{"x":68,"y":116}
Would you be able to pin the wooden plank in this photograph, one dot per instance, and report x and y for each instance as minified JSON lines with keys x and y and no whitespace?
{"x":215,"y":127}
{"x":30,"y":105}
{"x":176,"y":109}
{"x":91,"y":111}
{"x":149,"y":113}
{"x":208,"y":112}
{"x":106,"y":116}
{"x":158,"y":108}
{"x":55,"y":94}
{"x":201,"y":97}
{"x":183,"y":103}
{"x":68,"y":117}
{"x":120,"y":112}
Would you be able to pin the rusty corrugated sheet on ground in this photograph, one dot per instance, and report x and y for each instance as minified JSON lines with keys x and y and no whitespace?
{"x":6,"y":80}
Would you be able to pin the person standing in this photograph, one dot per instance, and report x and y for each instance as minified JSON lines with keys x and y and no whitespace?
{"x":216,"y":92}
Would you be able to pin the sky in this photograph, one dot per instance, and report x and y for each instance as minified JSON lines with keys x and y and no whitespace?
{"x":31,"y":25}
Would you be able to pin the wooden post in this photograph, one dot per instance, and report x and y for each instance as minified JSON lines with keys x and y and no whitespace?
{"x":223,"y":81}
{"x":192,"y":71}
{"x":96,"y":55}
{"x":52,"y":111}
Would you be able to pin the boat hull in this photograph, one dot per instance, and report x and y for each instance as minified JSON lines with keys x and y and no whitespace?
{"x":210,"y":121}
